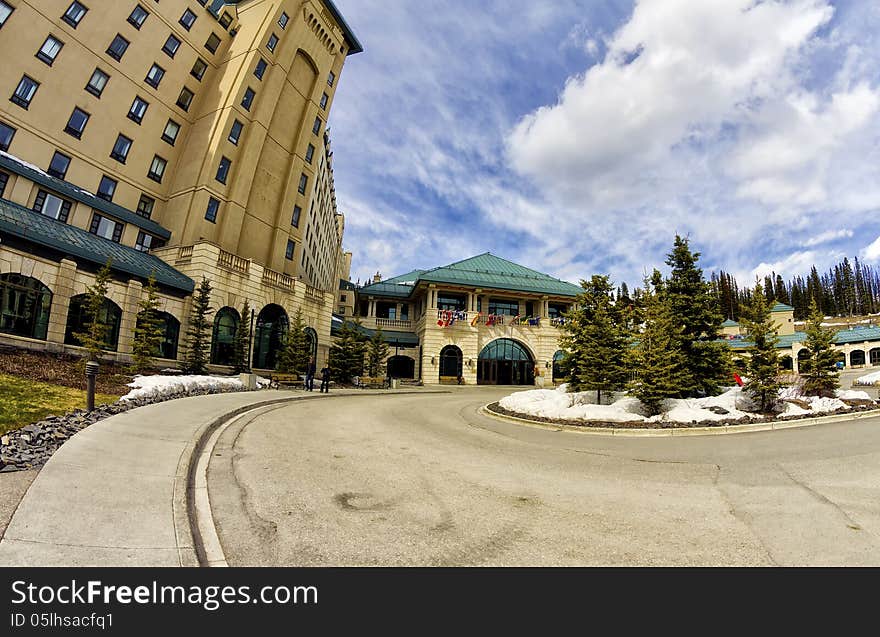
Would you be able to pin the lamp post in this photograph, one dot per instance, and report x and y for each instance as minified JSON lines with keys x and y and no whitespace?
{"x":92,"y":368}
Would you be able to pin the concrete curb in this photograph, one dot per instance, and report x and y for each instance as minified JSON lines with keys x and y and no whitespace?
{"x":681,"y":431}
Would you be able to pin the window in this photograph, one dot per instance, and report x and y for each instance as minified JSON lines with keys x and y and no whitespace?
{"x":6,"y":11}
{"x":171,"y":46}
{"x":155,"y":75}
{"x":331,"y":78}
{"x":291,"y":246}
{"x":272,"y":43}
{"x":6,"y":135}
{"x":303,"y":182}
{"x":24,"y":92}
{"x":157,"y":169}
{"x":187,"y":19}
{"x":211,"y":211}
{"x":4,"y":179}
{"x":74,"y":14}
{"x":107,"y":188}
{"x":283,"y":20}
{"x":138,"y":110}
{"x":342,"y":298}
{"x":324,"y":99}
{"x":121,"y":148}
{"x":248,"y":98}
{"x":225,"y":20}
{"x":198,"y":69}
{"x":316,"y":127}
{"x":297,"y":213}
{"x":50,"y":50}
{"x":52,"y":206}
{"x":235,"y":132}
{"x":138,"y":17}
{"x":260,"y":68}
{"x":107,"y":228}
{"x":97,"y":82}
{"x":145,"y":206}
{"x":213,"y":42}
{"x":223,"y":169}
{"x":77,"y":123}
{"x":310,"y":153}
{"x":144,"y":242}
{"x":117,"y":48}
{"x":172,"y":129}
{"x":59,"y":165}
{"x":185,"y":99}
{"x":506,"y":307}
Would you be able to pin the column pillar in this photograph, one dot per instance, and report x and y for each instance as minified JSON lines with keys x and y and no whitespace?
{"x":398,"y":310}
{"x":129,"y":316}
{"x":372,"y":310}
{"x":61,"y":294}
{"x":432,"y":297}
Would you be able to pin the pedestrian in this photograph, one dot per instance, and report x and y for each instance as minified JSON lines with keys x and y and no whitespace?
{"x":310,"y":375}
{"x":325,"y":379}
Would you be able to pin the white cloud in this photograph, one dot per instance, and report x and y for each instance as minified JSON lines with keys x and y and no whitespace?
{"x":827,"y":237}
{"x":872,"y":252}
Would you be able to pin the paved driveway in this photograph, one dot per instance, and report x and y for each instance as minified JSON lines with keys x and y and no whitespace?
{"x":426,"y":480}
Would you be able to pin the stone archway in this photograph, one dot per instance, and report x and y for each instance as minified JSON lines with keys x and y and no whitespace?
{"x":505,"y":362}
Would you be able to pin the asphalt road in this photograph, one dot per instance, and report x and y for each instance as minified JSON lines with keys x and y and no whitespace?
{"x":424,"y":479}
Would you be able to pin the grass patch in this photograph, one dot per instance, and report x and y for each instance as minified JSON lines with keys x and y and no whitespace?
{"x":23,"y":401}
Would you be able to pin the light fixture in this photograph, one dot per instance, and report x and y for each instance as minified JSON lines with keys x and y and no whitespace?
{"x":470,"y":362}
{"x":549,"y":364}
{"x":433,"y":361}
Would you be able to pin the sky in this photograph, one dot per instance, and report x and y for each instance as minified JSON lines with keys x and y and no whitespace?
{"x":578,"y":137}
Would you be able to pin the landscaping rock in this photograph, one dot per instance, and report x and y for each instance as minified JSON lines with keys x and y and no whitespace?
{"x":721,"y":411}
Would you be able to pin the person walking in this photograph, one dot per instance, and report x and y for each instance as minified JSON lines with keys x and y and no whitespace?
{"x":325,"y":379}
{"x":310,"y":375}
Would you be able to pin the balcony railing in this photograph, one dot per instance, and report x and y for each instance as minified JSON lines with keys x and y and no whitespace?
{"x":229,"y":261}
{"x":452,"y":318}
{"x":184,"y":253}
{"x":394,"y":323}
{"x":277,"y":279}
{"x":314,"y":295}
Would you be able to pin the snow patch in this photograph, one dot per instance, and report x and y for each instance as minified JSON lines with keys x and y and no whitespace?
{"x":868,"y":379}
{"x":155,"y":386}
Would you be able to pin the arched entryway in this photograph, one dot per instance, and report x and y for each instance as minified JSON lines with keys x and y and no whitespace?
{"x":401,"y":367}
{"x":450,"y":363}
{"x":505,"y":362}
{"x":24,"y":306}
{"x":558,"y":373}
{"x":803,"y":361}
{"x":270,"y":333}
{"x":857,"y":358}
{"x":110,"y":315}
{"x":312,"y":337}
{"x":226,"y":323}
{"x":169,"y":326}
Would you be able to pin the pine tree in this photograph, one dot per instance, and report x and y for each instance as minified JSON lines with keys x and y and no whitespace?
{"x":692,"y":306}
{"x":658,"y":362}
{"x":94,"y":338}
{"x":241,"y":364}
{"x":821,"y":373}
{"x":197,"y":334}
{"x":347,"y":354}
{"x":294,"y":358}
{"x":148,"y":333}
{"x":596,"y":340}
{"x":377,"y":352}
{"x":763,"y":365}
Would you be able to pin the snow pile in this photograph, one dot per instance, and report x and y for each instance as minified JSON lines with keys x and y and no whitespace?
{"x":733,"y":404}
{"x":849,"y":394}
{"x":157,"y":386}
{"x":869,"y":379}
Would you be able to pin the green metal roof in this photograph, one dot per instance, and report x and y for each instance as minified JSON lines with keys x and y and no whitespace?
{"x":729,"y":323}
{"x":782,"y":307}
{"x":857,"y":335}
{"x":401,"y":339}
{"x":66,"y":189}
{"x":482,"y":271}
{"x":409,"y":278}
{"x":23,"y":223}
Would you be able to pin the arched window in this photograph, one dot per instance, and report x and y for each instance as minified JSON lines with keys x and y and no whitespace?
{"x":505,"y":362}
{"x":875,"y":356}
{"x":110,"y":315}
{"x":223,"y":340}
{"x":856,"y":358}
{"x":401,"y":367}
{"x":450,"y":362}
{"x":170,"y":328}
{"x":803,"y":361}
{"x":558,"y":359}
{"x":312,"y":335}
{"x":24,"y":306}
{"x":270,"y":334}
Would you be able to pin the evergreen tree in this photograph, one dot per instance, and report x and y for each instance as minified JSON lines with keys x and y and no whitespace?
{"x":658,"y":362}
{"x":241,"y":364}
{"x":763,"y":365}
{"x":821,"y":373}
{"x":94,"y":338}
{"x":596,"y":340}
{"x":377,"y":352}
{"x":347,"y":353}
{"x":692,"y":306}
{"x":148,"y":332}
{"x":294,"y":358}
{"x":198,"y":339}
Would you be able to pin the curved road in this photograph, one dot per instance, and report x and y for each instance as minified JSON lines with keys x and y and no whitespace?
{"x":424,"y":479}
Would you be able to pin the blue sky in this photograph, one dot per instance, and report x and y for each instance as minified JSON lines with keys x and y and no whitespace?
{"x":579,"y":136}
